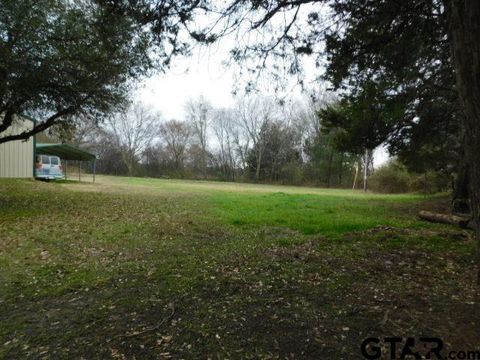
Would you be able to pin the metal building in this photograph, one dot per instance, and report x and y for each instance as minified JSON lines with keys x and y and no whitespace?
{"x":16,"y":157}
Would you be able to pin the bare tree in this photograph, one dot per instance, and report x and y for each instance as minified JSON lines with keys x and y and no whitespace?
{"x":85,"y":131}
{"x":242,"y":144}
{"x":307,"y":110}
{"x":225,"y":132}
{"x":199,"y":112}
{"x":134,"y":130}
{"x":176,"y":135}
{"x":253,"y":114}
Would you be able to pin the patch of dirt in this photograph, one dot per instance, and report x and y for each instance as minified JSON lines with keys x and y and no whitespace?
{"x":277,"y":232}
{"x":303,"y":252}
{"x":387,"y":232}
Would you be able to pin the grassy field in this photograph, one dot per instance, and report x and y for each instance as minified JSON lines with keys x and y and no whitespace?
{"x":142,"y":268}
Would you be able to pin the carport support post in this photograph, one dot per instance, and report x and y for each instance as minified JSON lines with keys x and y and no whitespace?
{"x":66,"y":168}
{"x":79,"y":170}
{"x":94,"y":169}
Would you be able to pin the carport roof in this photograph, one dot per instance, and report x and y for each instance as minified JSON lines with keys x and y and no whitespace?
{"x":64,"y":151}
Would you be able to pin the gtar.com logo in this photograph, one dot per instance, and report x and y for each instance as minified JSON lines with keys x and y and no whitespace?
{"x":398,"y":348}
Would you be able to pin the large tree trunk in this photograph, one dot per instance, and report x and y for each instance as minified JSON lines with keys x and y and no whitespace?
{"x":464,"y":27}
{"x":461,"y":192}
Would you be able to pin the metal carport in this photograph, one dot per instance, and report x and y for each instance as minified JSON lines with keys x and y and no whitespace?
{"x":67,"y":152}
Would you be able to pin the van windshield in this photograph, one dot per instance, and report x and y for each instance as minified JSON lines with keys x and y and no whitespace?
{"x":54,"y":161}
{"x":45,"y":160}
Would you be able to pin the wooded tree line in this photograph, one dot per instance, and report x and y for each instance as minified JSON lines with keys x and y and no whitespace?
{"x":258,"y":139}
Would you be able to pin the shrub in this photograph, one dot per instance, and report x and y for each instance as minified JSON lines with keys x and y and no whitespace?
{"x":432,"y":182}
{"x":392,"y":177}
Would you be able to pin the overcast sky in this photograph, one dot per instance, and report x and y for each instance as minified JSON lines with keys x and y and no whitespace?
{"x":200,"y":74}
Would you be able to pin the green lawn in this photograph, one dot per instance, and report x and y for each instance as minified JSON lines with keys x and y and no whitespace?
{"x":146,"y":268}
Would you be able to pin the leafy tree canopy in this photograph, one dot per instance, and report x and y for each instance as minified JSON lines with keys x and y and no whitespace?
{"x":60,"y":57}
{"x":394,"y":58}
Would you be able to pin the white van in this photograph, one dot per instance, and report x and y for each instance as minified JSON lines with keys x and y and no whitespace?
{"x":48,"y":167}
